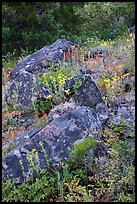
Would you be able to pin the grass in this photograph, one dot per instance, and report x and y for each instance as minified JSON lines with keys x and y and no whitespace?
{"x":112,"y":182}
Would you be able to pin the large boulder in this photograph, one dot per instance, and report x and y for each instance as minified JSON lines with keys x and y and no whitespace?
{"x":25,"y":89}
{"x":83,"y":117}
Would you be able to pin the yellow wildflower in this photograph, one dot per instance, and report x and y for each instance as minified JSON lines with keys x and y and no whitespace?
{"x":44,"y":75}
{"x":107,"y":80}
{"x":62,"y":81}
{"x":51,"y":77}
{"x":114,"y":79}
{"x":49,"y":96}
{"x":67,"y":91}
{"x":124,"y":75}
{"x":107,"y":85}
{"x":60,"y":76}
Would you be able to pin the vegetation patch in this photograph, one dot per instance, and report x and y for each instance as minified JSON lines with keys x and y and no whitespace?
{"x":114,"y":181}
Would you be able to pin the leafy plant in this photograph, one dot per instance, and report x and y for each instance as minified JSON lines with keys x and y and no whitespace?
{"x":81,"y":149}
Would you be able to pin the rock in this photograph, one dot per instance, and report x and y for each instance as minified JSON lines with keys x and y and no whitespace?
{"x":56,"y":137}
{"x":81,"y":119}
{"x":88,"y":94}
{"x":24,"y":91}
{"x":102,"y":112}
{"x":86,"y":71}
{"x":131,"y":30}
{"x":25,"y":87}
{"x":129,"y":83}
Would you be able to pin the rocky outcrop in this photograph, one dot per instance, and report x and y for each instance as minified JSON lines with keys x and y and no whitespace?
{"x":82,"y":117}
{"x":25,"y":89}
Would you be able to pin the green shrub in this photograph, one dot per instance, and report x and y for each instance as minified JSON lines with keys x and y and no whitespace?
{"x":81,"y":149}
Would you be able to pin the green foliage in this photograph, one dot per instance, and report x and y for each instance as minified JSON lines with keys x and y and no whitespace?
{"x":47,"y":187}
{"x":106,"y":19}
{"x":43,"y":106}
{"x":55,"y":79}
{"x":10,"y":147}
{"x":116,"y":179}
{"x":117,"y":175}
{"x":35,"y":24}
{"x":81,"y":149}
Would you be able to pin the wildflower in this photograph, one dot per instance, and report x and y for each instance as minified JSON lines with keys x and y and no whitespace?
{"x":36,"y":115}
{"x":19,"y":113}
{"x":60,"y":76}
{"x":124,"y":75}
{"x":89,"y":63}
{"x":9,"y":114}
{"x":66,"y":55}
{"x":67,"y":91}
{"x":44,"y":75}
{"x":76,"y":50}
{"x":62,"y":81}
{"x":107,"y":85}
{"x":44,"y":115}
{"x":38,"y":123}
{"x":114,"y":79}
{"x":111,"y":42}
{"x":131,"y":34}
{"x":107,"y":80}
{"x":97,"y":57}
{"x":51,"y":77}
{"x":12,"y":135}
{"x":73,"y":55}
{"x":81,"y":49}
{"x":49,"y":96}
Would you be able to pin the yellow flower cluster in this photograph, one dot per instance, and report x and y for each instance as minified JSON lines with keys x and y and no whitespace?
{"x":62,"y":78}
{"x":114,"y":80}
{"x":67,"y":91}
{"x":62,"y":82}
{"x":49,"y":96}
{"x":125,"y":75}
{"x":108,"y":83}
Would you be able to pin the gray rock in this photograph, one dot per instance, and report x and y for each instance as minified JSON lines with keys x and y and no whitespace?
{"x":88,"y":94}
{"x":25,"y":87}
{"x":72,"y":126}
{"x":56,"y":137}
{"x":24,"y":91}
{"x":129,"y":83}
{"x":131,"y":30}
